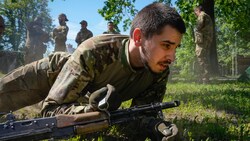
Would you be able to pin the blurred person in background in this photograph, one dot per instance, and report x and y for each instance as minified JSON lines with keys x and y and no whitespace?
{"x":35,"y":43}
{"x":111,"y":29}
{"x":203,"y":39}
{"x":60,"y":33}
{"x":84,"y":33}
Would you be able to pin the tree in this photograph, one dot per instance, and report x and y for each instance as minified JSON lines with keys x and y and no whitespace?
{"x":16,"y":14}
{"x":121,"y":11}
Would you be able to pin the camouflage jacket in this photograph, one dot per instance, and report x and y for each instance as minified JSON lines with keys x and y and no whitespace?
{"x":60,"y":33}
{"x":111,"y":32}
{"x":83,"y":35}
{"x":99,"y":61}
{"x":204,"y":28}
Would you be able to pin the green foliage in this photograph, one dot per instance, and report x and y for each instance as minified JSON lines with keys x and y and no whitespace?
{"x":121,"y":11}
{"x":185,"y":56}
{"x":117,"y":10}
{"x":232,"y":29}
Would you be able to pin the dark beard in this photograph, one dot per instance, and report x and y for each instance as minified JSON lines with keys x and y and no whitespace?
{"x":143,"y":54}
{"x":144,"y":57}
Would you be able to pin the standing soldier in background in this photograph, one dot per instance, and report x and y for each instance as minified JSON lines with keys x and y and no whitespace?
{"x":111,"y":29}
{"x":60,"y":33}
{"x":2,"y":25}
{"x":36,"y":37}
{"x":203,"y":40}
{"x":84,"y":33}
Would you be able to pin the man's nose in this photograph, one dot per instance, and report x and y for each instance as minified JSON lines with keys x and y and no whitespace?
{"x":171,"y":55}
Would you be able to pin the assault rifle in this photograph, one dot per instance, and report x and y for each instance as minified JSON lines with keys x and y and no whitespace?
{"x":65,"y":126}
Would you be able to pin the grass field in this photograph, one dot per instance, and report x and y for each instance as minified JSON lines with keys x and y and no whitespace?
{"x":212,"y":112}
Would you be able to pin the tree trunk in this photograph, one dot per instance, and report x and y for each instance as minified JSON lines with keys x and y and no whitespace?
{"x":208,"y":6}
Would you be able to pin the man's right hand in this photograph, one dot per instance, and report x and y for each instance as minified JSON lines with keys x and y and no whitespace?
{"x":98,"y":96}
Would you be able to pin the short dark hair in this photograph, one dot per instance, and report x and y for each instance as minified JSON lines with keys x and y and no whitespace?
{"x":110,"y":22}
{"x":84,"y":22}
{"x":154,"y":17}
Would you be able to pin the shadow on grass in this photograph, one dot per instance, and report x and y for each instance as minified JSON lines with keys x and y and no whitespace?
{"x":232,"y":98}
{"x":217,"y":130}
{"x":221,"y":97}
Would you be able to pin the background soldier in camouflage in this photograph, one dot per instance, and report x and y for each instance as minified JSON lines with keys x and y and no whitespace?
{"x":60,"y":33}
{"x":111,"y":29}
{"x":2,"y":25}
{"x":203,"y":40}
{"x":36,"y":37}
{"x":137,"y":67}
{"x":84,"y":33}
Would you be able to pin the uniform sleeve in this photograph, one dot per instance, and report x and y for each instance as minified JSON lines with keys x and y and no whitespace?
{"x":77,"y":72}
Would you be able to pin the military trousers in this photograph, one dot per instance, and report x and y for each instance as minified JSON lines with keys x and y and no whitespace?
{"x":30,"y":84}
{"x":203,"y":55}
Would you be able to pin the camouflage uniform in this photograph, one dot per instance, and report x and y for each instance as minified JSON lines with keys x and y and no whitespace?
{"x":36,"y":37}
{"x":99,"y":61}
{"x":59,"y":34}
{"x":31,"y":83}
{"x":95,"y":63}
{"x":111,"y":32}
{"x":83,"y":35}
{"x":203,"y":40}
{"x":111,"y":29}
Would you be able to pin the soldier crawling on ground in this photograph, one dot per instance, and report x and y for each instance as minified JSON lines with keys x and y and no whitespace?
{"x":137,"y":66}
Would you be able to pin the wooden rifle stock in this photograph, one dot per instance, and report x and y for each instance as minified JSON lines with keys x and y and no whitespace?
{"x":85,"y":122}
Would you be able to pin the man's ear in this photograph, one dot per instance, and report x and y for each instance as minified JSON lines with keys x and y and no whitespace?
{"x":137,"y":37}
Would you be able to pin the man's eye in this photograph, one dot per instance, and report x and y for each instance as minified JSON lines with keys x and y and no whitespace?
{"x":167,"y":46}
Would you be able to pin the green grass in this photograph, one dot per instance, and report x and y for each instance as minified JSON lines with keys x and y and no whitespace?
{"x":213,"y":112}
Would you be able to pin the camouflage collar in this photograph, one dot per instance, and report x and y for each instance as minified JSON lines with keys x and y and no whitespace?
{"x":125,"y":57}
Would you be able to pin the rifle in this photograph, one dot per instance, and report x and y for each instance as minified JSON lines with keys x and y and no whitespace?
{"x":66,"y":126}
